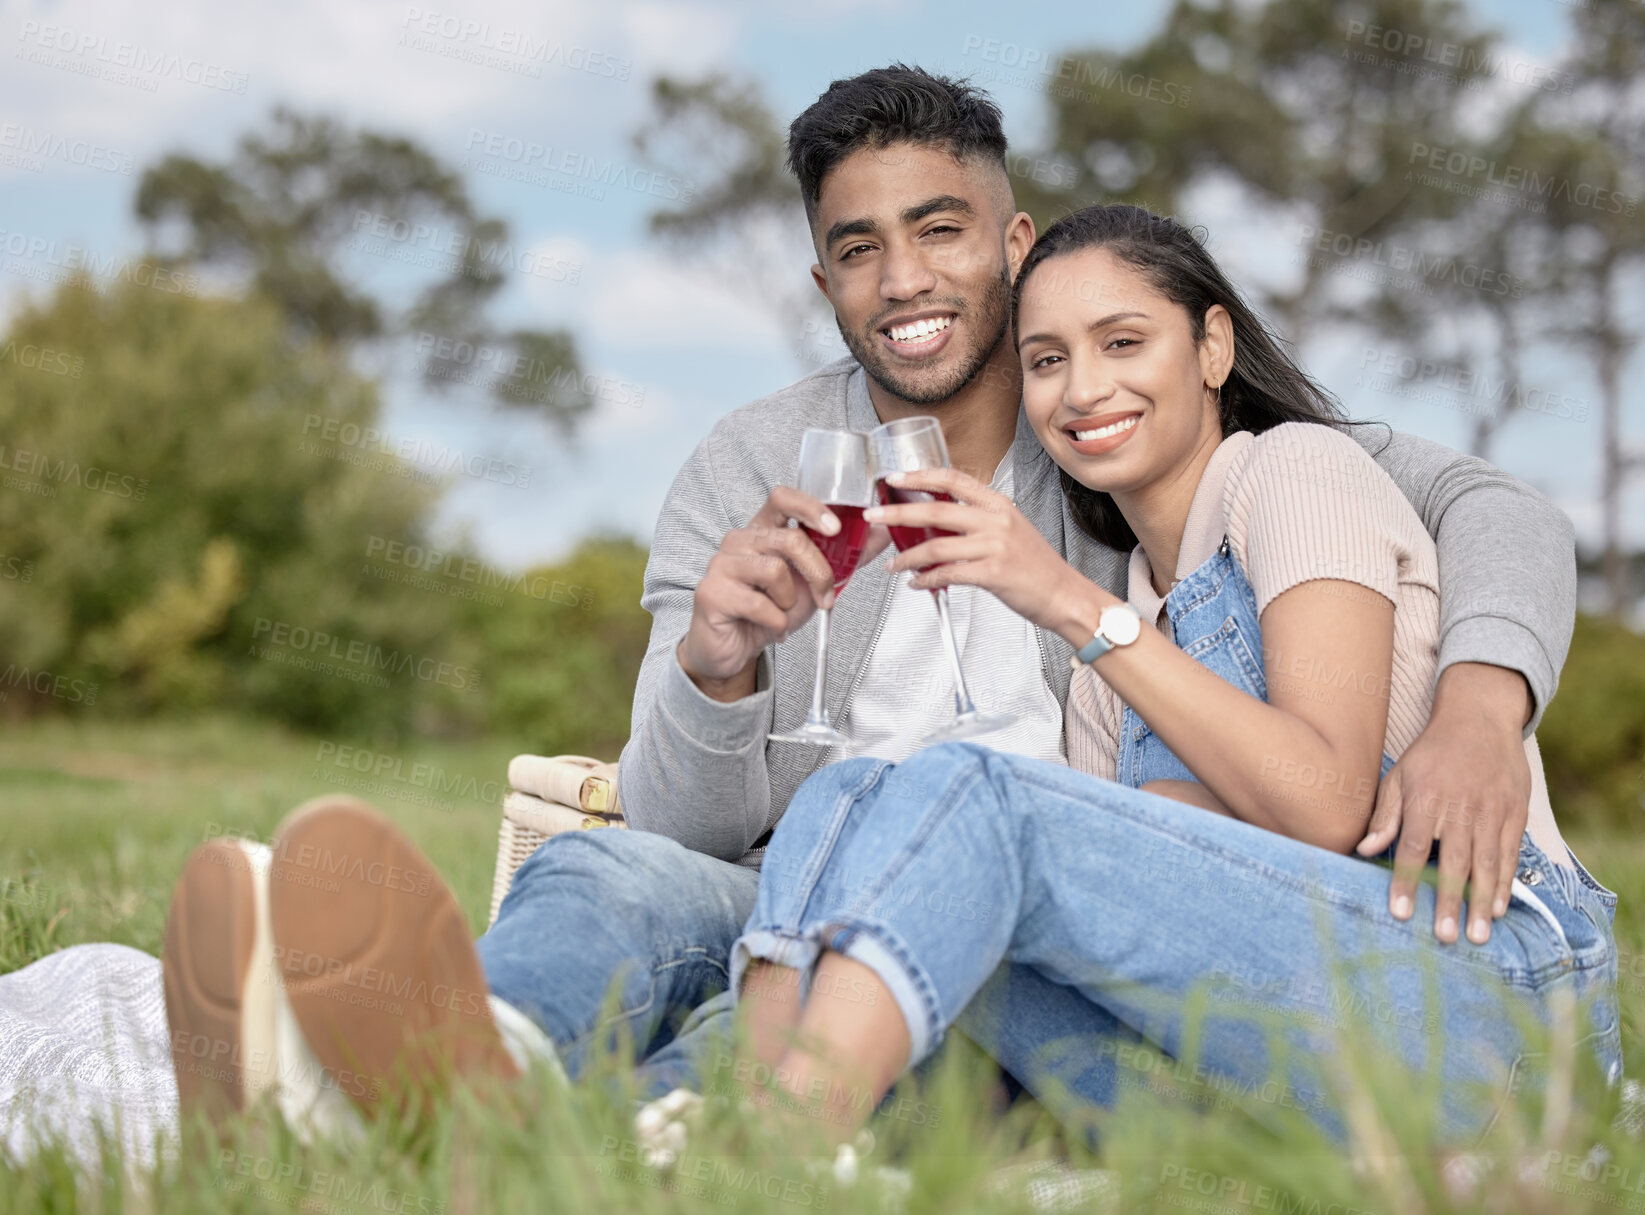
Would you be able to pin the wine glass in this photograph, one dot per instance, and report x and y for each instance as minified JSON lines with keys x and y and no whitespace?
{"x":910,"y":445}
{"x":834,"y":470}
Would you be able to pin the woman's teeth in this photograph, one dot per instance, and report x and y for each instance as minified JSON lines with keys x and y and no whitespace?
{"x":915,"y":330}
{"x":1102,"y":432}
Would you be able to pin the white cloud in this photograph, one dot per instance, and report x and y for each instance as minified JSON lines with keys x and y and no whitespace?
{"x":378,"y":63}
{"x":680,"y":39}
{"x":639,"y":299}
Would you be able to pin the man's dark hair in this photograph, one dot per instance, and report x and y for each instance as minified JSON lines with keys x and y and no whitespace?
{"x":896,"y":104}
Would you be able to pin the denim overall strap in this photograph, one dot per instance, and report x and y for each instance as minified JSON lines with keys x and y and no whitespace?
{"x":1213,"y":616}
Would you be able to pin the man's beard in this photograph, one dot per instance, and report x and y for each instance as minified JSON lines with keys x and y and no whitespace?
{"x":992,"y":320}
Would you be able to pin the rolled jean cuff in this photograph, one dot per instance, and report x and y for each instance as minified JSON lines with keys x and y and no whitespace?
{"x":861,"y":942}
{"x":781,"y":948}
{"x":882,"y":952}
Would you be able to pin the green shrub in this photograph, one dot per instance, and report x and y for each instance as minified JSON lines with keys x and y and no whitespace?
{"x":183,"y":532}
{"x":564,"y":650}
{"x":1593,"y":735}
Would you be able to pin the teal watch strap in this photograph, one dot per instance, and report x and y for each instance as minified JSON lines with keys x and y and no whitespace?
{"x":1118,"y":625}
{"x":1093,"y":649}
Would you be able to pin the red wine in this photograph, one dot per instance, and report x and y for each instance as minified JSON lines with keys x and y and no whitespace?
{"x":843,"y":550}
{"x":906,"y":538}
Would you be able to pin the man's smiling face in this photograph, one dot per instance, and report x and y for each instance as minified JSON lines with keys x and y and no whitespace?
{"x":912,"y":249}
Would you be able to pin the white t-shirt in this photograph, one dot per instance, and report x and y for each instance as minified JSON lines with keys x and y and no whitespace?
{"x":907,"y":690}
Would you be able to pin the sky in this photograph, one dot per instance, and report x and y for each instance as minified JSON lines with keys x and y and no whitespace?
{"x":93,"y":91}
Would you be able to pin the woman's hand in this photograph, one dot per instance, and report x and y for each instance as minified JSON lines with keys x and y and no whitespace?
{"x":992,"y":545}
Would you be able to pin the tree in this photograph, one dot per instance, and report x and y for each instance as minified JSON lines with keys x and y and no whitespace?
{"x":744,"y":222}
{"x":197,"y":518}
{"x":1597,"y":202}
{"x":168,"y":491}
{"x":1287,"y":101}
{"x":286,"y":211}
{"x":1479,"y":315}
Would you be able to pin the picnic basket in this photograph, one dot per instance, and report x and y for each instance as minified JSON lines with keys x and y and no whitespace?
{"x":548,"y":795}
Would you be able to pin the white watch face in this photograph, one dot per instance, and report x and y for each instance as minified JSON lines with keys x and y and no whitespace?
{"x":1119,"y":624}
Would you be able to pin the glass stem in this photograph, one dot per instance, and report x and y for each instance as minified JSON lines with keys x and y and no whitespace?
{"x":962,"y":698}
{"x":819,"y":711}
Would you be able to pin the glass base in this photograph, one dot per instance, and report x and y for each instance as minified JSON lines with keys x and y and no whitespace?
{"x":970,"y":725}
{"x":812,"y":733}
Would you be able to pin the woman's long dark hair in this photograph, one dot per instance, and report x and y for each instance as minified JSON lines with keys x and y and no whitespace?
{"x":1265,"y":386}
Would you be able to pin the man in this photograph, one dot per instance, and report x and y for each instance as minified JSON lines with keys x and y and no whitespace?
{"x":917,"y":239}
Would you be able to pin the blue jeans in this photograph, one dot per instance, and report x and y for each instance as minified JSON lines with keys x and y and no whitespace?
{"x":1162,"y":922}
{"x":595,"y":911}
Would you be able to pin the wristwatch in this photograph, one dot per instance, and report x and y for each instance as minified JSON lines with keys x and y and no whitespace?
{"x":1118,"y":625}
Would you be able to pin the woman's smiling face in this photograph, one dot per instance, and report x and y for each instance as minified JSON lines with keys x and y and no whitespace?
{"x":1113,"y":382}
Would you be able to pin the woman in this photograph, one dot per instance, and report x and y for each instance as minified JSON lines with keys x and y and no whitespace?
{"x":1190,"y":878}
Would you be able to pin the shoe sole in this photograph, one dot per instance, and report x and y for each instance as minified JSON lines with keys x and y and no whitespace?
{"x":376,"y":958}
{"x":220,"y":1021}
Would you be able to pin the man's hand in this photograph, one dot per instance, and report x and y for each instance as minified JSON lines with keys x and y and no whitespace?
{"x":764,"y":583}
{"x":1466,"y":782}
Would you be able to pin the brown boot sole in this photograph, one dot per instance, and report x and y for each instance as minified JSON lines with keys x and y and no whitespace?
{"x":220,"y":1059}
{"x":376,"y":957}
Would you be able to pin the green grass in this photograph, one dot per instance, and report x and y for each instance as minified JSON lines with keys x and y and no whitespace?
{"x":96,"y":819}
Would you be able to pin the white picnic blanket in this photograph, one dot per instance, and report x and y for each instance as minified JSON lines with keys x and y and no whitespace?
{"x":83,"y":1053}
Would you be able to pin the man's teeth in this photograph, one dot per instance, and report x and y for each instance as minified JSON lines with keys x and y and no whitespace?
{"x":915,"y":330}
{"x":1102,"y":432}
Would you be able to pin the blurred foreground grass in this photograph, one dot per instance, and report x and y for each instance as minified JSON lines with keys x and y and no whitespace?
{"x":98,"y":818}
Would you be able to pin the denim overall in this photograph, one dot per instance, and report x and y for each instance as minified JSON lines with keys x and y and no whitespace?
{"x":1213,"y":615}
{"x":1214,"y":619}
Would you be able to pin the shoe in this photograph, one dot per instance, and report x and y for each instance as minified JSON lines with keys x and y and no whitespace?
{"x":216,"y":964}
{"x":375,"y":957}
{"x":233,"y":1038}
{"x":326,"y":973}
